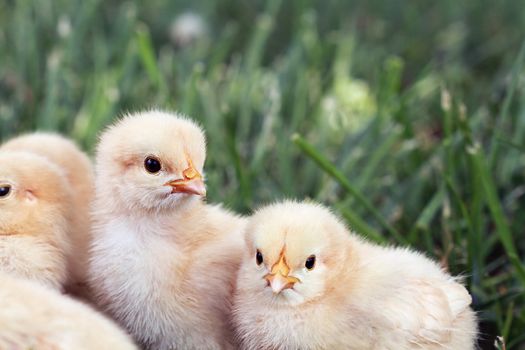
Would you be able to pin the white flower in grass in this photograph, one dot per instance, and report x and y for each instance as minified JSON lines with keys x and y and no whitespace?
{"x":54,"y":59}
{"x":350,"y":106}
{"x":186,"y":28}
{"x":64,"y":26}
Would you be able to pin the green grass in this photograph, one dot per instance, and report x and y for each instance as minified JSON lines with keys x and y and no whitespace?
{"x":407,"y":117}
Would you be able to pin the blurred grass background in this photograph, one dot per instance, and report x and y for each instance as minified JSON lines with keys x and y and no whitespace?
{"x":408,"y":117}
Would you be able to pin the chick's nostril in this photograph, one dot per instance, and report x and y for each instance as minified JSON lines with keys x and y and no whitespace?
{"x":190,"y":173}
{"x":268,"y":278}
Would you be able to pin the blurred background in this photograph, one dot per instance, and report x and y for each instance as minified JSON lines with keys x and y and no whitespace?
{"x":408,"y":117}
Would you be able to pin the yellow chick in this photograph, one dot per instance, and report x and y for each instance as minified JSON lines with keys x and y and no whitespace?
{"x":163,"y":262}
{"x":35,"y":317}
{"x":35,"y":201}
{"x":306,"y":282}
{"x":78,"y":171}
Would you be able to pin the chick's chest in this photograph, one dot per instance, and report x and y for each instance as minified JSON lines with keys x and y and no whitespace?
{"x":138,"y":256}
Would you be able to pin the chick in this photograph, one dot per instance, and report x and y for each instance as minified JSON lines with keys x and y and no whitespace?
{"x":306,"y":282}
{"x":35,"y":317}
{"x":163,"y":262}
{"x":78,"y":171}
{"x":35,"y":200}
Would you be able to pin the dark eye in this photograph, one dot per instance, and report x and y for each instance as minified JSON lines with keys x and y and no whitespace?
{"x":310,"y":262}
{"x":258,"y":257}
{"x":152,"y":165}
{"x":5,"y":190}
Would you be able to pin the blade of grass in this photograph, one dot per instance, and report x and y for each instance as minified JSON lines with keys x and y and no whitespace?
{"x":241,"y":170}
{"x":518,"y":64}
{"x":474,"y":250}
{"x":331,"y":170}
{"x":254,"y":55}
{"x":495,"y":208}
{"x":147,"y":56}
{"x":360,"y":226}
{"x":511,"y":144}
{"x":481,"y":173}
{"x":375,"y":158}
{"x":423,"y":221}
{"x":516,"y":341}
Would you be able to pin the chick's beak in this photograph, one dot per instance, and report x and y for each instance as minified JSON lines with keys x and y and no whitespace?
{"x":192,"y":183}
{"x":278,"y":279}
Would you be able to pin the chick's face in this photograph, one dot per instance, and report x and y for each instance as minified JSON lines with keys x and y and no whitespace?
{"x":34,"y":195}
{"x":152,"y":161}
{"x":292,"y":252}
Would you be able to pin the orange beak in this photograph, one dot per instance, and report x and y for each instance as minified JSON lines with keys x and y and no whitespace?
{"x":192,"y":183}
{"x":278,"y":279}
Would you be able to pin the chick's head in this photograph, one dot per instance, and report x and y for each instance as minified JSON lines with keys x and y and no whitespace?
{"x":34,"y":197}
{"x":151,"y":161}
{"x":295,"y":251}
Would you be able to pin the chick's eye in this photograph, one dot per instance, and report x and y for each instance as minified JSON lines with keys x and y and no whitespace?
{"x":152,"y":165}
{"x":4,"y":191}
{"x":310,"y":262}
{"x":258,"y":257}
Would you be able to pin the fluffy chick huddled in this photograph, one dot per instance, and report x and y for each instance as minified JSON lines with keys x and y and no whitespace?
{"x":76,"y":177}
{"x":163,"y":262}
{"x":306,"y":282}
{"x":35,"y":202}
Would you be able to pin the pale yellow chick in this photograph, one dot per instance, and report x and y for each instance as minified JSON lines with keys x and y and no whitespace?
{"x":306,"y":282}
{"x":35,"y":317}
{"x":35,"y":202}
{"x":78,"y":171}
{"x":163,"y":262}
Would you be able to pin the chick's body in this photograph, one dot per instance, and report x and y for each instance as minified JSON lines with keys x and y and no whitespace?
{"x":35,"y":317}
{"x":33,"y":258}
{"x":355,"y":296}
{"x":35,"y":201}
{"x":78,"y":172}
{"x":163,"y":262}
